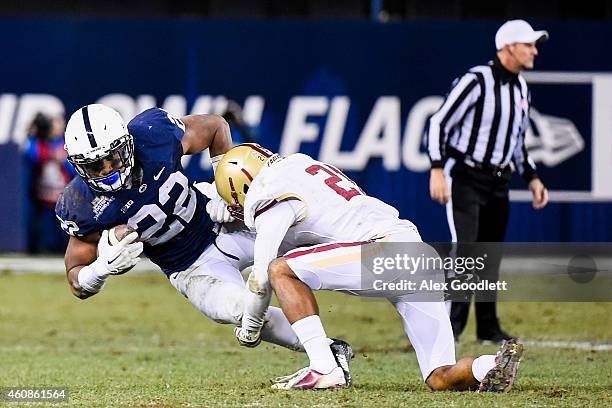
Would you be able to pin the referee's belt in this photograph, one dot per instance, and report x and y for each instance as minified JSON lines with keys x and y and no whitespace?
{"x":496,"y":171}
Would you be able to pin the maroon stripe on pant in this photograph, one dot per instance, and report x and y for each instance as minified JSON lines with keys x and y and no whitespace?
{"x":324,"y":248}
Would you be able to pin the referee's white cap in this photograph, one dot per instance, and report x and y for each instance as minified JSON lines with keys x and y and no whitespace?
{"x":517,"y":31}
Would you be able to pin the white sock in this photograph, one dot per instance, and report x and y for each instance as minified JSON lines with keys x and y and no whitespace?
{"x":482,"y":365}
{"x":255,"y":307}
{"x":312,"y":335}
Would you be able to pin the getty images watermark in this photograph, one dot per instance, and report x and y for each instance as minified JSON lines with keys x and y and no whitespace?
{"x":411,"y":265}
{"x":491,"y":271}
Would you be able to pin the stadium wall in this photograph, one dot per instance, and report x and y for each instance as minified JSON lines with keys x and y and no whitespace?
{"x":354,"y":93}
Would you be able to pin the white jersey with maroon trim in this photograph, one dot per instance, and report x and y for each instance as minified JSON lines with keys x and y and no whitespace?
{"x":336,"y":208}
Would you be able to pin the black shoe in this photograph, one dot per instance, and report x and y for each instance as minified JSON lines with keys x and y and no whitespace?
{"x":343,"y":352}
{"x":496,"y":337}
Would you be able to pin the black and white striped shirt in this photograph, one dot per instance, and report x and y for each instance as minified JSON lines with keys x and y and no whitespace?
{"x":483,"y":120}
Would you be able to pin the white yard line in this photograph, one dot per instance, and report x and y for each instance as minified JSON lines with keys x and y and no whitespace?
{"x":54,"y":264}
{"x":577,"y":345}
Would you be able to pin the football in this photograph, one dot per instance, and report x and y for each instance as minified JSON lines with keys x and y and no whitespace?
{"x":118,"y":232}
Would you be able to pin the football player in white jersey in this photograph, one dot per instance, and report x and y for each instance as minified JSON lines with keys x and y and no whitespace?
{"x":314,"y":204}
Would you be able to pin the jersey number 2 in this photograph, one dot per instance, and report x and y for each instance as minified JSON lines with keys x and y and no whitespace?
{"x":335,"y":177}
{"x":177,"y":201}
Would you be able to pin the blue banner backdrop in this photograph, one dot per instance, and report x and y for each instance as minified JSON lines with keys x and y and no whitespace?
{"x":353,"y":92}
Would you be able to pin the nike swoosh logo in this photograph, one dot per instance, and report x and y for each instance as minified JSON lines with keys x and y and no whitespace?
{"x":113,"y":260}
{"x":158,"y":175}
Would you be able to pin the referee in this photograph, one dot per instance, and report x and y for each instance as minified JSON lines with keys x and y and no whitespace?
{"x":472,"y":141}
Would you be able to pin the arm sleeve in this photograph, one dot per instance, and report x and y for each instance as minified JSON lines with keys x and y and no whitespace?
{"x":272,"y":226}
{"x":524,"y":164}
{"x":459,"y":100}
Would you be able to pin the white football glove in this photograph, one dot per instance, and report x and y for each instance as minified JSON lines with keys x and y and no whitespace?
{"x":216,"y":206}
{"x":112,"y":260}
{"x":217,"y":209}
{"x":119,"y":258}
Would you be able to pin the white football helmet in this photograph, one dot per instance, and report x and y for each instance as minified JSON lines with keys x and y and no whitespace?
{"x":100,"y":147}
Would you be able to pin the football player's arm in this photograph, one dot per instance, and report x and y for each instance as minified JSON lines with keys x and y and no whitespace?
{"x":91,"y":259}
{"x":271,"y":225}
{"x":80,"y":253}
{"x":206,"y":131}
{"x":212,"y":132}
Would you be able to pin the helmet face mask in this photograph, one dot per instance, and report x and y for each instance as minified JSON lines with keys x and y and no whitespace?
{"x":111,"y":172}
{"x":100,"y":148}
{"x":237,"y":170}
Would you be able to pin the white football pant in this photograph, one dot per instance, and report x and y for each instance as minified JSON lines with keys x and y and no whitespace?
{"x":337,"y":266}
{"x":215,"y":286}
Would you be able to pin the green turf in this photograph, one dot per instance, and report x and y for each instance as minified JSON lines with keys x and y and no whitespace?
{"x":139,"y":343}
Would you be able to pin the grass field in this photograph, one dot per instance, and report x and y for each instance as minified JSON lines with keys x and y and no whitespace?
{"x":138,"y":343}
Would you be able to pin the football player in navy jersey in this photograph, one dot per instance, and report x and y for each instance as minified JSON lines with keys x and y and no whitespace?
{"x":133,"y":175}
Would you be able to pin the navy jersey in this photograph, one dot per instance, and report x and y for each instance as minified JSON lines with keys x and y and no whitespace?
{"x":166,"y":210}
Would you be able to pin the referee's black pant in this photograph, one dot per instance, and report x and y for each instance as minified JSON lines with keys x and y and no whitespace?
{"x":480,"y":207}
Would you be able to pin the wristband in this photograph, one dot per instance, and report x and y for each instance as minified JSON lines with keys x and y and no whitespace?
{"x":215,"y":162}
{"x":92,"y":277}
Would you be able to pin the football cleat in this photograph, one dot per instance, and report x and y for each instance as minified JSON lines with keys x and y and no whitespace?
{"x":343,"y":353}
{"x":501,"y":377}
{"x":247,"y":338}
{"x":309,"y":379}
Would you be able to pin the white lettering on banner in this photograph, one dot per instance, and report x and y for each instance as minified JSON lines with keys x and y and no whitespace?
{"x":144,"y":102}
{"x":208,"y":104}
{"x":122,"y":103}
{"x":203,"y":104}
{"x":383,"y":120}
{"x":551,"y":140}
{"x":176,"y":105}
{"x":23,"y":109}
{"x":253,"y":109}
{"x":8,"y":103}
{"x":297,"y":129}
{"x":414,"y":159}
{"x":29,"y":106}
{"x":334,"y":130}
